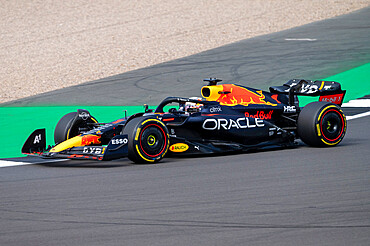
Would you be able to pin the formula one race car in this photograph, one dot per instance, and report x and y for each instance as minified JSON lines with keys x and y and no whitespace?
{"x":229,"y":118}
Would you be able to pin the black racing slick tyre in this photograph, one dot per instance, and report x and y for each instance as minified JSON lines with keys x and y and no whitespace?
{"x":322,"y":124}
{"x":148,"y":140}
{"x":67,"y":127}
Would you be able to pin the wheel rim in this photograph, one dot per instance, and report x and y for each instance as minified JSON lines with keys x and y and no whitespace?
{"x":332,"y":125}
{"x":152,"y":140}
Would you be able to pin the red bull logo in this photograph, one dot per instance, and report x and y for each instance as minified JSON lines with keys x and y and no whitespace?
{"x":231,"y":95}
{"x":260,"y":114}
{"x":90,"y":139}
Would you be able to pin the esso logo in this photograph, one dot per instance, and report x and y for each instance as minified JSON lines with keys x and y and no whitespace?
{"x":119,"y":141}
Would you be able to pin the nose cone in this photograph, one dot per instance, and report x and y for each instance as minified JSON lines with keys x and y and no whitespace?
{"x":69,"y":143}
{"x":77,"y":141}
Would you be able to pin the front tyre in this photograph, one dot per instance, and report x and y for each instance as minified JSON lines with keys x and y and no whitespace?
{"x":67,"y":127}
{"x":148,"y":140}
{"x":321,"y":124}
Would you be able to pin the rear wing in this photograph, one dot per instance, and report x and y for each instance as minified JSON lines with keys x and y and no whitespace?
{"x":329,"y":91}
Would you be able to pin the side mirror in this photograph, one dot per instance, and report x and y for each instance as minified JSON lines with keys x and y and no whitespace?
{"x":147,"y":110}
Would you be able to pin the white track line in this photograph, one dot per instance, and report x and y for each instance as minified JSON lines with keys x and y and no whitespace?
{"x":13,"y":163}
{"x":301,"y":39}
{"x":352,"y":117}
{"x":359,"y":103}
{"x":5,"y":163}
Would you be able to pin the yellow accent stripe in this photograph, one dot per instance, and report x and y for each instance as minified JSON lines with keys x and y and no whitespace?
{"x":69,"y":143}
{"x":331,"y":143}
{"x":137,"y":134}
{"x":168,"y":145}
{"x":318,"y":130}
{"x":322,"y":85}
{"x":145,"y":121}
{"x":155,"y":120}
{"x":137,"y":149}
{"x":322,"y":111}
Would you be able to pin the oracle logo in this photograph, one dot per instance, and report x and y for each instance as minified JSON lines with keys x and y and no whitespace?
{"x":224,"y":124}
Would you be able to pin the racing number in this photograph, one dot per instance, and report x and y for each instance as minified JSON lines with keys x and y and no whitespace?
{"x":92,"y":150}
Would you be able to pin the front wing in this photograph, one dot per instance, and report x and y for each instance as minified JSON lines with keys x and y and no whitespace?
{"x":117,"y":148}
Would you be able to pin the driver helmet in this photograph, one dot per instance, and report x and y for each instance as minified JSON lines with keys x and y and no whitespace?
{"x":192,"y":106}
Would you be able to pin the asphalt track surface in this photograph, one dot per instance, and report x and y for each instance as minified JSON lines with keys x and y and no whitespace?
{"x":296,"y":196}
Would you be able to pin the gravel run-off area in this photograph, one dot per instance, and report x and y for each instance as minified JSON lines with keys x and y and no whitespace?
{"x":50,"y":44}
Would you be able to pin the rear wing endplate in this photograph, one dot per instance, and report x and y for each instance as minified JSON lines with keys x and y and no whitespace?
{"x":329,"y":91}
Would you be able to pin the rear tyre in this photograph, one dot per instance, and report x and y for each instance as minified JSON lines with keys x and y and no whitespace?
{"x":321,"y":124}
{"x":67,"y":128}
{"x":148,"y":140}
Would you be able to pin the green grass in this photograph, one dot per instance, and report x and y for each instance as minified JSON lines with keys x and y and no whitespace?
{"x":18,"y":123}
